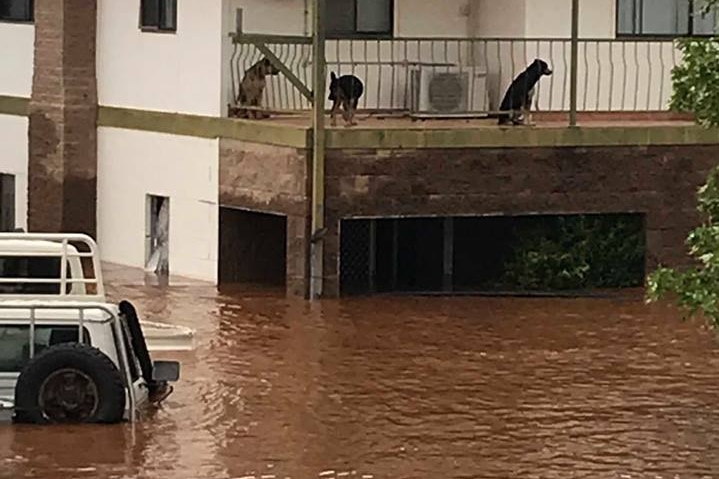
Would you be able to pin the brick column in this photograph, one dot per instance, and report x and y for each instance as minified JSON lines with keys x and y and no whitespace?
{"x":62,"y":170}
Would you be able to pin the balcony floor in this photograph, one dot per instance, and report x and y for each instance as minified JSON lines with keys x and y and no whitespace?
{"x":383,"y":131}
{"x":377,"y":122}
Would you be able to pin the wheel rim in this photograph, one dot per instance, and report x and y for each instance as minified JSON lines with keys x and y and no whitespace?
{"x":68,"y":395}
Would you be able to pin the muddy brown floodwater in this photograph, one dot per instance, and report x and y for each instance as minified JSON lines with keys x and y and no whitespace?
{"x":406,"y":388}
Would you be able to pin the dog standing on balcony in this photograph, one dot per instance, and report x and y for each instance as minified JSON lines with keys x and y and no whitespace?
{"x":520,"y":94}
{"x":345,"y":92}
{"x":252,"y":89}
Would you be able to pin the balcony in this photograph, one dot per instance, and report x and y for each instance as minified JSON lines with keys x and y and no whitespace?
{"x":431,"y":84}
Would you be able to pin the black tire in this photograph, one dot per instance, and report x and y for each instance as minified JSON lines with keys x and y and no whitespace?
{"x":97,"y":382}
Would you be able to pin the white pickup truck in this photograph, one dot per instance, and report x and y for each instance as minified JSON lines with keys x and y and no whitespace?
{"x":66,"y":354}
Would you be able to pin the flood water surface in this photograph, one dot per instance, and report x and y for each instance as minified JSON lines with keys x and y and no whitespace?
{"x":406,"y":388}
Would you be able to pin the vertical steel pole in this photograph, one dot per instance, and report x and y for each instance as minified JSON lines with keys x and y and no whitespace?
{"x":318,"y":149}
{"x":574,"y":64}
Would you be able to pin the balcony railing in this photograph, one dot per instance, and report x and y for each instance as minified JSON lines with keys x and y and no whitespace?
{"x":446,"y":76}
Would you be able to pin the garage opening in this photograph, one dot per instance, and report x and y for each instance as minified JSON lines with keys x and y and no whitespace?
{"x":253,"y":248}
{"x":507,"y":254}
{"x":7,"y":202}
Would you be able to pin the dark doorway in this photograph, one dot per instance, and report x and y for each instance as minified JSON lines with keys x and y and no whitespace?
{"x":513,"y":254}
{"x":253,"y":248}
{"x":7,"y":202}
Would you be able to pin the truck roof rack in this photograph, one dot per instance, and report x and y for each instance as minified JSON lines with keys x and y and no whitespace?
{"x":76,"y":251}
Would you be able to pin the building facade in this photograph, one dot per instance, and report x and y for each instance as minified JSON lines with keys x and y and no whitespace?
{"x":114,"y":120}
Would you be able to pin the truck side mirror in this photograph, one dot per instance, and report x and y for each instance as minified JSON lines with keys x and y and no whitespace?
{"x":165,"y":371}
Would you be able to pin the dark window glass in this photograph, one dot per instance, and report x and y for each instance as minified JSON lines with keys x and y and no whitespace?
{"x":16,"y":10}
{"x":158,"y":15}
{"x":664,"y":18}
{"x":352,"y":18}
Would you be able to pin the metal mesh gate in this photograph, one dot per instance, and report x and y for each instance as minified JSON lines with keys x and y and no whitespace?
{"x":355,"y":256}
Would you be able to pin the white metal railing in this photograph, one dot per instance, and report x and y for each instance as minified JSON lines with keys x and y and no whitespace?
{"x":68,"y":254}
{"x":613,"y":75}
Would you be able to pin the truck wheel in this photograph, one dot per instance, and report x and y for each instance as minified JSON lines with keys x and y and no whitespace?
{"x":70,"y":383}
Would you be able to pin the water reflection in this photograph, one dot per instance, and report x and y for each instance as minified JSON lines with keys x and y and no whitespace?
{"x":405,"y":388}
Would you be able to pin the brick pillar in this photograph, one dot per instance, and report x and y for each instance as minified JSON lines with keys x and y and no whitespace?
{"x":298,"y":273}
{"x":62,"y":183}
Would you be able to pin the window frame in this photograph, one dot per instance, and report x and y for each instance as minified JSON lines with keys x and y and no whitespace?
{"x":24,"y":21}
{"x":355,"y":35}
{"x":86,"y":338}
{"x":658,"y":36}
{"x":158,"y":28}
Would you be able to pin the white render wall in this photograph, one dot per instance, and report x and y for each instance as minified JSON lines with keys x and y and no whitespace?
{"x":174,"y":72}
{"x":13,"y":160}
{"x":17,"y":43}
{"x":133,"y":164}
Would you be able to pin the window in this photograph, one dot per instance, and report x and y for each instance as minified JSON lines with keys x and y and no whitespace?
{"x":664,"y":18}
{"x":359,"y":18}
{"x":158,"y":15}
{"x":16,"y":10}
{"x":21,"y":267}
{"x":7,"y":202}
{"x":15,"y":343}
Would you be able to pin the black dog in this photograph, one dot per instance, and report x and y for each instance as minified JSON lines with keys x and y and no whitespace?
{"x":345,"y":91}
{"x":520,"y":94}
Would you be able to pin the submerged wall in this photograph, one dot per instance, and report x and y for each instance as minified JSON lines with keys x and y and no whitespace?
{"x":660,"y":182}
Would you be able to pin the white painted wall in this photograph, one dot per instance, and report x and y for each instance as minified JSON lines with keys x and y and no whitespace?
{"x":180,"y":72}
{"x":276,"y":17}
{"x":133,"y":164}
{"x":14,"y":159}
{"x":432,"y":18}
{"x":499,"y":19}
{"x":553,"y":18}
{"x":17,"y":43}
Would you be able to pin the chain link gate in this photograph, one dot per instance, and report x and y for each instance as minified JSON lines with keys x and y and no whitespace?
{"x":356,"y":256}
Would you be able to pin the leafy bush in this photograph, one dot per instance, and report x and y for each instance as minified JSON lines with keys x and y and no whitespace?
{"x":696,"y":80}
{"x":696,"y":288}
{"x":577,"y":252}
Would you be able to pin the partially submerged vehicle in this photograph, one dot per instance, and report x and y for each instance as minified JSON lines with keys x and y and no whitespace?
{"x":66,"y":354}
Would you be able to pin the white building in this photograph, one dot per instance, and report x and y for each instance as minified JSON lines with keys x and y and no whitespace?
{"x":174,"y":59}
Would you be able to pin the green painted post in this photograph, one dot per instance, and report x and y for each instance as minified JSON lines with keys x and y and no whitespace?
{"x":318,"y":150}
{"x":574,"y":64}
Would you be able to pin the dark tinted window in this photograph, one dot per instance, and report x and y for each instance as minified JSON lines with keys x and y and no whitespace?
{"x":19,"y":267}
{"x":16,"y":10}
{"x":158,"y":15}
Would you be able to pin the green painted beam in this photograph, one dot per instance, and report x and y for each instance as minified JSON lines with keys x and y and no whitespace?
{"x":204,"y":126}
{"x":542,"y":137}
{"x":14,"y":105}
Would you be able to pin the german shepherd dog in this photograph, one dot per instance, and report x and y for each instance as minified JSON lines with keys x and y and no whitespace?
{"x":520,"y":94}
{"x":345,"y":92}
{"x":252,"y":89}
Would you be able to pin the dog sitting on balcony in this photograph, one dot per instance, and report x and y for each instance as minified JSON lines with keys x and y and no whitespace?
{"x":252,"y":89}
{"x":345,"y":92}
{"x":518,"y":99}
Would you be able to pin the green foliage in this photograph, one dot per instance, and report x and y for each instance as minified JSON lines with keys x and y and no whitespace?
{"x":697,"y":288}
{"x":696,"y":80}
{"x":577,"y":252}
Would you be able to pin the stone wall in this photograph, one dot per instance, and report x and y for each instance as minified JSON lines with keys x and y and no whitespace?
{"x":660,"y":182}
{"x":271,"y":179}
{"x":63,"y":119}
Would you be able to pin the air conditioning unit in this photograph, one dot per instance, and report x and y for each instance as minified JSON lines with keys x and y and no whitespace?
{"x":448,"y":91}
